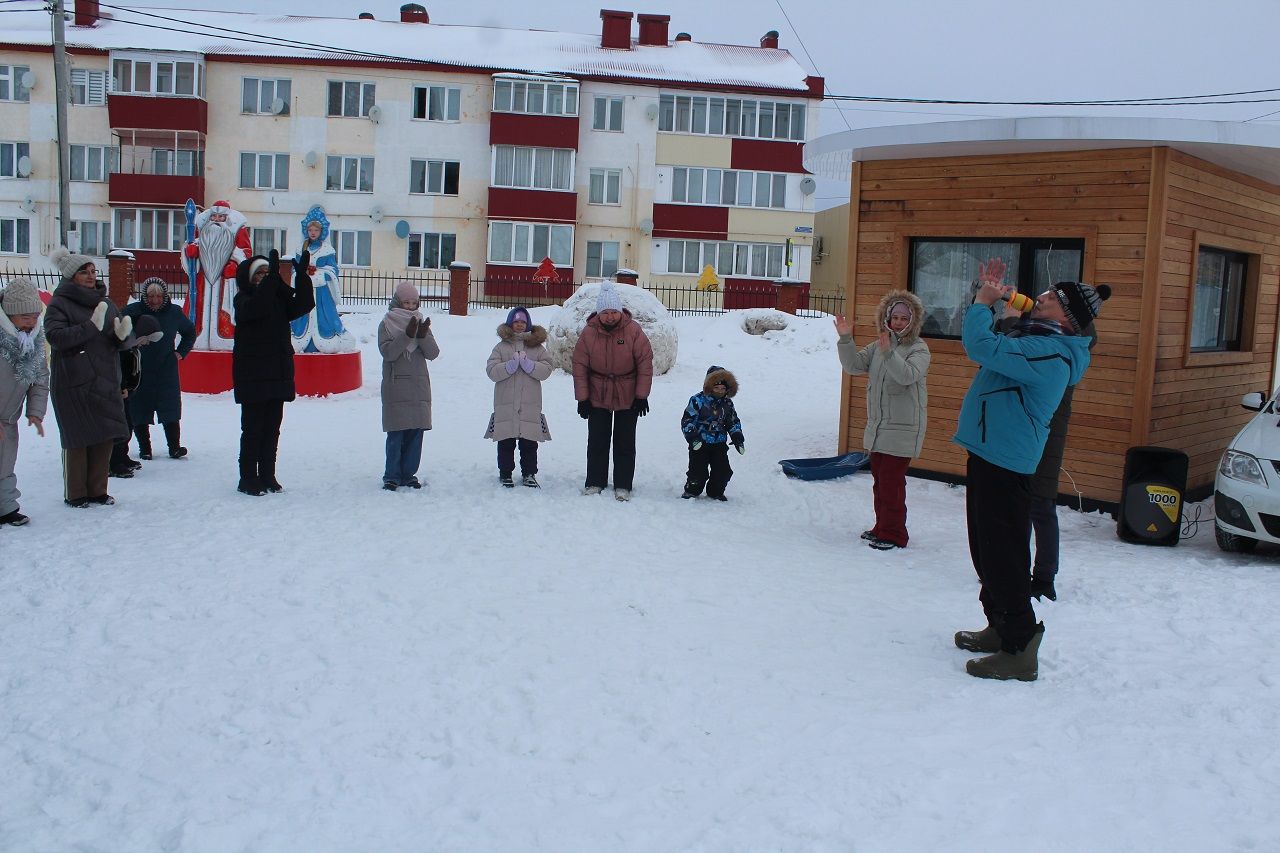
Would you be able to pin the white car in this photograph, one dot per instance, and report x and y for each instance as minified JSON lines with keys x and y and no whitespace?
{"x":1246,"y":492}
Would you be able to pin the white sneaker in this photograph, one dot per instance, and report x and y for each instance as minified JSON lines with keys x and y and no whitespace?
{"x":622,"y":494}
{"x":592,"y":490}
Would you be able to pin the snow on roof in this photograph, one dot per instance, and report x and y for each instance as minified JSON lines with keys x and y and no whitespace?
{"x":490,"y":48}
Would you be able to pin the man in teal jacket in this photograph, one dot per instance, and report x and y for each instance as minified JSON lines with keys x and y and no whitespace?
{"x":1004,"y":422}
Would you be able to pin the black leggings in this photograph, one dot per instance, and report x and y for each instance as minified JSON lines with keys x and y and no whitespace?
{"x":259,"y":438}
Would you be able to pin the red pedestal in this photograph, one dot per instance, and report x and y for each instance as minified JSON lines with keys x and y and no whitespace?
{"x":314,"y":374}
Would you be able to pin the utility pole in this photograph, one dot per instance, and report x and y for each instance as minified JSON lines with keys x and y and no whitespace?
{"x":61,"y":97}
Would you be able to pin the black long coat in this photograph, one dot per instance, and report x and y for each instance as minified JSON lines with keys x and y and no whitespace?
{"x":85,"y":366}
{"x":262,"y":357}
{"x":159,"y":394}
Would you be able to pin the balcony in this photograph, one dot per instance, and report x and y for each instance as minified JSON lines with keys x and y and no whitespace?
{"x":157,"y":168}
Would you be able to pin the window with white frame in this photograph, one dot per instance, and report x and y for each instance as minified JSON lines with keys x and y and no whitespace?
{"x":143,"y":228}
{"x":604,"y":186}
{"x":11,"y":88}
{"x":728,"y":187}
{"x":264,"y":240}
{"x":15,"y":236}
{"x":606,"y":113}
{"x":437,"y":103}
{"x":93,"y":162}
{"x":349,"y":174}
{"x":264,"y":171}
{"x":431,"y":251}
{"x":749,"y":260}
{"x":88,"y":87}
{"x":354,"y":248}
{"x":731,"y":117}
{"x":157,"y":75}
{"x":533,"y":168}
{"x":434,"y":177}
{"x":530,"y":242}
{"x":10,"y":154}
{"x":602,"y":259}
{"x":258,"y":94}
{"x":533,"y":96}
{"x":95,"y":237}
{"x":350,"y":98}
{"x":181,"y":161}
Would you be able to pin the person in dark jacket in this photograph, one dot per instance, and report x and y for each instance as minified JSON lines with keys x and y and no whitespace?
{"x":159,"y":396}
{"x":710,"y":424}
{"x":85,"y":333}
{"x":146,"y":331}
{"x":262,"y":361}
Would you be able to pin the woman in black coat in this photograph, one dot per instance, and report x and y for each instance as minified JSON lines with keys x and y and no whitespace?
{"x":262,"y":361}
{"x":159,"y":394}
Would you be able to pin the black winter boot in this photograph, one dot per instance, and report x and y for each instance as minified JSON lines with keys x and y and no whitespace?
{"x":143,"y":434}
{"x":173,"y":435}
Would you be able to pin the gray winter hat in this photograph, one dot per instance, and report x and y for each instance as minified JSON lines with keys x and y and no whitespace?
{"x":67,"y":263}
{"x":21,"y":297}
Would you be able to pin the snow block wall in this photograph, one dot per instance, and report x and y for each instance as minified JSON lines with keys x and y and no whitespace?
{"x":652,"y":315}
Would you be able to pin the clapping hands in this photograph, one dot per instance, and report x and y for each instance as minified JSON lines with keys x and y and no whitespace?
{"x":512,"y":364}
{"x":527,"y":364}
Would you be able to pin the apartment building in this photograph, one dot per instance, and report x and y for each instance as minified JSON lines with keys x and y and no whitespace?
{"x":424,"y":143}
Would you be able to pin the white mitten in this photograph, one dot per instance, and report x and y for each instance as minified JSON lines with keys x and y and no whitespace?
{"x":99,"y":315}
{"x":123,"y":326}
{"x":153,"y":337}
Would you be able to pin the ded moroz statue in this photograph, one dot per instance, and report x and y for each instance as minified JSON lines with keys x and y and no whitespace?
{"x":221,"y":243}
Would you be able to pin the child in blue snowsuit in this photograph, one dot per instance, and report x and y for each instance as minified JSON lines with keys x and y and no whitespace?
{"x":710,"y":423}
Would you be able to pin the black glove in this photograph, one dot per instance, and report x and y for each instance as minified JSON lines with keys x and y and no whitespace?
{"x":584,"y":409}
{"x":300,"y":274}
{"x":273,"y":264}
{"x":640,"y":407}
{"x":739,"y":444}
{"x":424,"y":327}
{"x":411,"y":328}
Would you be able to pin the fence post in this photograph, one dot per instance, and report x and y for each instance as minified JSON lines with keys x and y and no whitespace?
{"x":627,"y":277}
{"x":788,"y":294}
{"x":459,"y":288}
{"x":119,"y":277}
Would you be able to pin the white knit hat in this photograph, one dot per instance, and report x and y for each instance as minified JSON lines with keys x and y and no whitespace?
{"x":609,"y":299}
{"x":67,"y":263}
{"x":20,"y":297}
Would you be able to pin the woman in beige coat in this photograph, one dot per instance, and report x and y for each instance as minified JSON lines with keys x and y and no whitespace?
{"x":407,"y":344}
{"x":897,"y":406}
{"x":518,"y":366}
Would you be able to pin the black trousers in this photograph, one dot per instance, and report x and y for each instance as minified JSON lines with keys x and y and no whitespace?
{"x":709,"y":466}
{"x":507,"y":455}
{"x":998,"y":510}
{"x":604,"y":426}
{"x":259,"y":438}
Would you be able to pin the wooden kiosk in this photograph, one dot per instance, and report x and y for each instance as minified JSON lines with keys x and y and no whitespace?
{"x":1181,"y":218}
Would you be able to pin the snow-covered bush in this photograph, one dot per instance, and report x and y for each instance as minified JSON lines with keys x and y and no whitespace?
{"x":757,"y":321}
{"x":652,"y":315}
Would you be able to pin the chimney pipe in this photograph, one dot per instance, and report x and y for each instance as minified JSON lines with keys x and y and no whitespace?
{"x":413,"y":13}
{"x":87,"y":13}
{"x":769,"y":39}
{"x":653,"y":29}
{"x":615,"y":29}
{"x":366,"y":16}
{"x":683,"y":37}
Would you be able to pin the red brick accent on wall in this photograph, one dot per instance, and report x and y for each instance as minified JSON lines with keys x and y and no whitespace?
{"x":533,"y":205}
{"x":757,"y":293}
{"x":158,"y":112}
{"x":517,"y":282}
{"x":767,"y":155}
{"x":541,"y":131}
{"x":690,"y":222}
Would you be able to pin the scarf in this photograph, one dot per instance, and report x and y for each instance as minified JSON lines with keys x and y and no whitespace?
{"x":397,"y":320}
{"x":1036,"y":327}
{"x":24,"y":352}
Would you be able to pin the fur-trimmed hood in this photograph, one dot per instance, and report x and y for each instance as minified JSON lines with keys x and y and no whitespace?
{"x":536,"y":336}
{"x":27,"y":366}
{"x":717,"y":374}
{"x":893,"y":297}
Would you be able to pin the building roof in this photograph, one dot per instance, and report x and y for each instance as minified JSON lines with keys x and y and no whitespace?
{"x":482,"y":48}
{"x":1251,"y":149}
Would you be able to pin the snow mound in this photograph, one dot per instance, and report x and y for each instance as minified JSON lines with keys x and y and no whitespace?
{"x":652,"y":315}
{"x":757,"y":321}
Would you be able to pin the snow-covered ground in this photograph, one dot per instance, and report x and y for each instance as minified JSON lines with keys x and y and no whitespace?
{"x":468,"y":668}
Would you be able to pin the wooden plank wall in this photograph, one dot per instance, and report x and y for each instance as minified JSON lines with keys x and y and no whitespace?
{"x":1102,"y":196}
{"x":1195,"y":406}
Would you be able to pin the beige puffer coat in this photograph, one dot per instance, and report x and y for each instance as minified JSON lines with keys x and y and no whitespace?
{"x":897,"y":401}
{"x":406,"y":382}
{"x":517,"y":397}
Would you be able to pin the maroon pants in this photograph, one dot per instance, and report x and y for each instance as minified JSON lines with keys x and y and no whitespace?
{"x":889,"y":491}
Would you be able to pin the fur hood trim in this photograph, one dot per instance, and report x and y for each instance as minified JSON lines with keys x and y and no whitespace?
{"x":534,"y":337}
{"x":26,"y":366}
{"x":893,"y":297}
{"x":715,"y":376}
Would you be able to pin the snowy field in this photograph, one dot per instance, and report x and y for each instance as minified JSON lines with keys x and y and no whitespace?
{"x":468,"y":668}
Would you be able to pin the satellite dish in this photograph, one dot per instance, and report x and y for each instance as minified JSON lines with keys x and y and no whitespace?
{"x":24,"y":166}
{"x":651,"y":112}
{"x":29,"y":205}
{"x":808,"y":185}
{"x":646,"y":227}
{"x":376,"y":214}
{"x":278,"y":106}
{"x":28,"y":80}
{"x":402,"y":229}
{"x":310,"y":159}
{"x":375,"y":113}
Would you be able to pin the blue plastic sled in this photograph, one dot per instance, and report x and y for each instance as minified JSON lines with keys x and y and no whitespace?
{"x":825,"y":468}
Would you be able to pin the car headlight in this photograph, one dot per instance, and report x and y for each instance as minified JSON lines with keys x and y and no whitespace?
{"x":1242,"y":467}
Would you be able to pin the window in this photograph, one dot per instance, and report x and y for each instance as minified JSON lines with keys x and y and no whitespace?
{"x":258,"y":94}
{"x":431,"y":251}
{"x":11,"y":88}
{"x":95,"y":238}
{"x":607,"y":114}
{"x":264,"y":240}
{"x":350,"y":98}
{"x":602,"y":259}
{"x":604,"y":186}
{"x":349,"y":174}
{"x":731,"y":117}
{"x":530,"y":242}
{"x":944,"y":270}
{"x":88,"y":87}
{"x":731,"y":187}
{"x":15,"y":237}
{"x":1217,"y":314}
{"x":141,"y":228}
{"x":437,"y":103}
{"x":533,"y":168}
{"x":434,"y":177}
{"x":157,"y":75}
{"x":10,"y":154}
{"x":533,"y":96}
{"x":183,"y":161}
{"x":93,"y":162}
{"x":354,"y":248}
{"x":264,"y":171}
{"x":752,"y":260}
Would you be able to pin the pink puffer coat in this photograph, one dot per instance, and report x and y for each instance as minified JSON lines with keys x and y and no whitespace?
{"x":612,"y":367}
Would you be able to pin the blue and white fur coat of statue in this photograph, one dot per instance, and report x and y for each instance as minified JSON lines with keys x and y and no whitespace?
{"x":321,"y":330}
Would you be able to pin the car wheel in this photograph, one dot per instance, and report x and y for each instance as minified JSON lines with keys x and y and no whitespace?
{"x":1228,"y":541}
